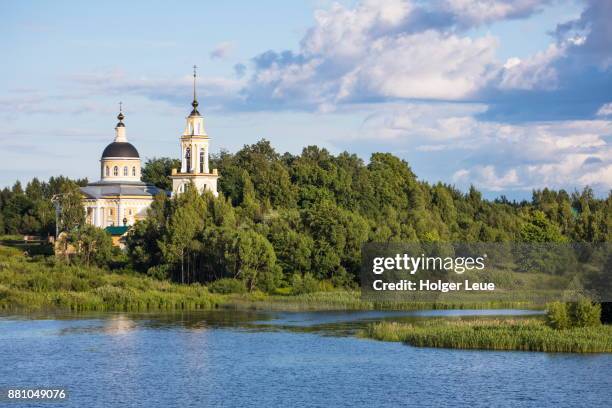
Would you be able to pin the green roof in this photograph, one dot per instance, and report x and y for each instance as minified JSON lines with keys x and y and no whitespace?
{"x":116,"y":230}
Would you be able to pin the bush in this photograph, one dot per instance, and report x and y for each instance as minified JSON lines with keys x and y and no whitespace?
{"x":227,"y":285}
{"x":326,"y":286}
{"x":304,"y":284}
{"x":160,"y":272}
{"x":557,"y":315}
{"x":341,"y":279}
{"x":585,"y":314}
{"x":270,"y":280}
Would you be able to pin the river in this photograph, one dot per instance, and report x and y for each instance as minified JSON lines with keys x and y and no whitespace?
{"x":241,"y":359}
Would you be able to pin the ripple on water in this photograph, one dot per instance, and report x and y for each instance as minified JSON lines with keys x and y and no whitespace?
{"x":280,"y":359}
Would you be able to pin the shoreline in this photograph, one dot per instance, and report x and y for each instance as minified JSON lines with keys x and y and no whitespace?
{"x":90,"y":301}
{"x":29,"y":284}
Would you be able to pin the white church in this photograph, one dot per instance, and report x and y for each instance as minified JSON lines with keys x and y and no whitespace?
{"x":120,"y":198}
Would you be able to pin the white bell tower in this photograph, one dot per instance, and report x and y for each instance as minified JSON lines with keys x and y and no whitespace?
{"x":194,"y":154}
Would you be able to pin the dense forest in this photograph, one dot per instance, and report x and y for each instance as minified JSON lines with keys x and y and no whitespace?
{"x":296,"y":218}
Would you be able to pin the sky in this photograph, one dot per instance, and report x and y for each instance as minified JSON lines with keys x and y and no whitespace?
{"x":508,"y":96}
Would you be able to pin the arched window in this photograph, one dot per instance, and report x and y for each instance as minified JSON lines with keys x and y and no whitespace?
{"x":188,"y":159}
{"x":201,"y":160}
{"x":115,"y":171}
{"x":107,"y":171}
{"x":125,"y":171}
{"x":134,"y":171}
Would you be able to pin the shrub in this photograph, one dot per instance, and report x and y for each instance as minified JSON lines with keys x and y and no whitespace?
{"x":342,"y":279}
{"x":160,"y":272}
{"x":227,"y":285}
{"x":326,"y":286}
{"x":304,"y":284}
{"x":557,"y":315}
{"x":270,"y":280}
{"x":584,"y":313}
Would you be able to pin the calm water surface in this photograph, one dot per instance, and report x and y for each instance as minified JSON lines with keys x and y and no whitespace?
{"x":239,"y":359}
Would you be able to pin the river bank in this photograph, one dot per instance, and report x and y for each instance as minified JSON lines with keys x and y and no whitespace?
{"x":44,"y":283}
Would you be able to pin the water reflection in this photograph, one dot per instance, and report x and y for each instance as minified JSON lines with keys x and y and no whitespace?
{"x":118,"y":325}
{"x":327,"y":323}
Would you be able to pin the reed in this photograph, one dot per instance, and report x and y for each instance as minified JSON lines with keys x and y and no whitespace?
{"x":39,"y":284}
{"x":329,"y":300}
{"x":495,"y":334}
{"x":43,"y":283}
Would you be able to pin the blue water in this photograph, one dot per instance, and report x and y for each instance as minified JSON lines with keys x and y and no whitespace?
{"x":281,"y":359}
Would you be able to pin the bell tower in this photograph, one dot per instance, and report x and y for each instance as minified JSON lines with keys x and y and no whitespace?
{"x":194,"y":153}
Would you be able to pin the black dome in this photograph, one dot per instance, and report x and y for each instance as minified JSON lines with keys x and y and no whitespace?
{"x":120,"y":149}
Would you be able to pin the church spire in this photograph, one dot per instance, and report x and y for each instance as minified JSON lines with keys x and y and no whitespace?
{"x":195,"y":104}
{"x":120,"y":115}
{"x":120,"y":128}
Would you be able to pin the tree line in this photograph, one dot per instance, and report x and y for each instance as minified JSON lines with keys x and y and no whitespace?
{"x":283,"y":218}
{"x":31,"y":210}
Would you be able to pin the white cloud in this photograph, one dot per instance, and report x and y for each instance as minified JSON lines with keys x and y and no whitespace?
{"x":535,"y":72}
{"x":487,"y":177}
{"x":602,"y":176}
{"x":426,"y":65}
{"x":222,"y":50}
{"x":376,"y":50}
{"x":605,"y":110}
{"x":425,"y":122}
{"x":494,"y":156}
{"x":477,"y":12}
{"x":342,"y":32}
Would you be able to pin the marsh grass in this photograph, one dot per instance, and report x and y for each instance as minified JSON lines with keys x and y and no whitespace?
{"x":35,"y":284}
{"x":329,"y":300}
{"x":350,"y":300}
{"x":495,"y":334}
{"x":44,"y":283}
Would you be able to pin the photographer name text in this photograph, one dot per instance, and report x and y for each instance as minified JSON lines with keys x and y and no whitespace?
{"x":426,"y":285}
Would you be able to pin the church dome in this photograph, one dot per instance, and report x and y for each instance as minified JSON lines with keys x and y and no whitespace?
{"x":120,"y":149}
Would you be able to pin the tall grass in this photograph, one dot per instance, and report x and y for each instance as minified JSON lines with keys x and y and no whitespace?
{"x":35,"y":284}
{"x":330,"y":300}
{"x":351,"y":300}
{"x":495,"y":334}
{"x":42,"y":283}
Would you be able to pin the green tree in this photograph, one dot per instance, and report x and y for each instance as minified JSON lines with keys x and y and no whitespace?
{"x":253,"y":261}
{"x":156,"y":171}
{"x":538,"y":228}
{"x":72,"y":213}
{"x":293,"y":248}
{"x":184,"y":224}
{"x":93,"y":245}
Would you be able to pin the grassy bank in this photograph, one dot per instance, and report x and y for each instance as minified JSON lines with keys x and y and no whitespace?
{"x":44,"y":283}
{"x":495,"y":334}
{"x":39,"y":282}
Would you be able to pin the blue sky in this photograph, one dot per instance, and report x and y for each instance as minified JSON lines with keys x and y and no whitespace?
{"x":506,"y":95}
